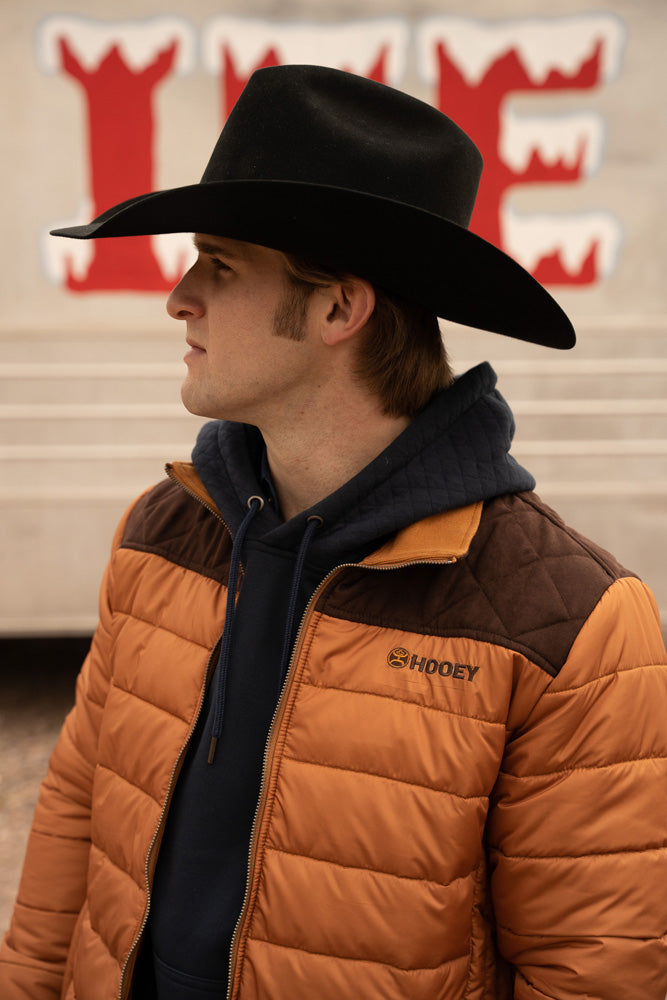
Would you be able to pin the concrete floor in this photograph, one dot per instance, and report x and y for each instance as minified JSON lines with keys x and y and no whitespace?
{"x":36,"y":690}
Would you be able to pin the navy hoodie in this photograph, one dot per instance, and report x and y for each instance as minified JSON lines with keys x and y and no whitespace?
{"x":454,"y":453}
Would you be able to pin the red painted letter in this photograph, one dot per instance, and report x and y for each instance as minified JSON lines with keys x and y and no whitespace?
{"x":478,"y":67}
{"x":118,"y":67}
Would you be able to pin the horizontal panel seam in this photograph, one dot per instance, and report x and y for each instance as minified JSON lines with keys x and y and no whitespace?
{"x":200,"y":569}
{"x":615,"y":672}
{"x":352,"y":958}
{"x":582,"y":767}
{"x":43,"y":909}
{"x":162,"y":628}
{"x":132,"y":784}
{"x":385,"y":777}
{"x":402,"y":701}
{"x":581,"y":937}
{"x":123,"y":871}
{"x":592,"y":856}
{"x":38,"y":830}
{"x":365,"y":868}
{"x":148,"y":701}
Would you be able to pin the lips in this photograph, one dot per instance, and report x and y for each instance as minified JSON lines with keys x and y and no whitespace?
{"x":194,"y":344}
{"x":196,"y":350}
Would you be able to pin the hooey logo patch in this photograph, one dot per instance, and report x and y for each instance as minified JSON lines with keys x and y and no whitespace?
{"x":400,"y":658}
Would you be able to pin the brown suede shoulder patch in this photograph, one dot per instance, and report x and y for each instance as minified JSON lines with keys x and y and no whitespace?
{"x":170,"y":523}
{"x":528,"y":583}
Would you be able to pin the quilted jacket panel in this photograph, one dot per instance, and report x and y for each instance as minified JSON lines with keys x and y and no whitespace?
{"x":439,"y":766}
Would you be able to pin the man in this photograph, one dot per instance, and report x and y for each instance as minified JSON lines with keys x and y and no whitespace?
{"x":362,"y":716}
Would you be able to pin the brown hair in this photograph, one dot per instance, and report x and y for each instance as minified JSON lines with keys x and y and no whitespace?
{"x":401,"y":356}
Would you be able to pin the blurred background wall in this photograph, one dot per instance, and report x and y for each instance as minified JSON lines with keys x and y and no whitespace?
{"x":100,"y":102}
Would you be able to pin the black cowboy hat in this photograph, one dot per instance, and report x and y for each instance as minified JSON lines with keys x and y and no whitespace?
{"x":355,"y":175}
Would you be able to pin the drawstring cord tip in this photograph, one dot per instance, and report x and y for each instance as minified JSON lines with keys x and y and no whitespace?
{"x":211,"y":749}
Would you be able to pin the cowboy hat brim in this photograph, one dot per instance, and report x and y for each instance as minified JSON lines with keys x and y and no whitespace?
{"x":399,"y":247}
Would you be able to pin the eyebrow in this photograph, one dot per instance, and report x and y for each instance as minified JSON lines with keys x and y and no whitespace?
{"x":203,"y":246}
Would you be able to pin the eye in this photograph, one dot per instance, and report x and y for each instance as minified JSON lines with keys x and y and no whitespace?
{"x":219,"y":265}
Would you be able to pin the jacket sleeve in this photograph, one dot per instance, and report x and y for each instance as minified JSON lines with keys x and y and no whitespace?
{"x":577,"y":828}
{"x":52,"y":889}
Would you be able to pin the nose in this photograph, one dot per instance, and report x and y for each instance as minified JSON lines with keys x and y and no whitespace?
{"x":182,"y":301}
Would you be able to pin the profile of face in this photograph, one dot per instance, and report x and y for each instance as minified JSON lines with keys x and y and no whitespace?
{"x":249,"y":343}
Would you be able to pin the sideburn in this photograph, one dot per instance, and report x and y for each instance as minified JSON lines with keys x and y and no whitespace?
{"x":290,"y":316}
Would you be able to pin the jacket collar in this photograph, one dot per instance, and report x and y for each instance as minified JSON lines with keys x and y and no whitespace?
{"x":188,"y":477}
{"x":443,"y":537}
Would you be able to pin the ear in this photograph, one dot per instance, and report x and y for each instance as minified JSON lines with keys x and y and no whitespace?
{"x":349,"y":305}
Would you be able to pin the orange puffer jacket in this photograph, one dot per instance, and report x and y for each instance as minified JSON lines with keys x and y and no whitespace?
{"x":464,"y":783}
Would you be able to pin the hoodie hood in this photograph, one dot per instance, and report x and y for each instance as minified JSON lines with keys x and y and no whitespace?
{"x":455,"y":452}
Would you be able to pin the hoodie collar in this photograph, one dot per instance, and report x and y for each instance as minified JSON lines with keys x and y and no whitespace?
{"x":453,"y":455}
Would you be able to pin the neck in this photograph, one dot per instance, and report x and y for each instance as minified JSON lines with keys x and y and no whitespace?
{"x":320,"y":452}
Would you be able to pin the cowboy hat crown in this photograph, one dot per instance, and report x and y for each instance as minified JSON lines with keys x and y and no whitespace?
{"x":359,"y":176}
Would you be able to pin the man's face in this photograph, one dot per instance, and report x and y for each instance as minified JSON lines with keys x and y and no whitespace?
{"x":235,"y":299}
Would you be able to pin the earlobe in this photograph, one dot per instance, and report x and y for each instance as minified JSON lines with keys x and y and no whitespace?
{"x":350,"y":307}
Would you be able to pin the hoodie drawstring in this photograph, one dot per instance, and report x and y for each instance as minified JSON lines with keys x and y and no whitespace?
{"x":312,"y":524}
{"x":255,"y":504}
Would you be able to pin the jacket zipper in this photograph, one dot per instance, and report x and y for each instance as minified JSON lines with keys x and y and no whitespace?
{"x":176,"y":768}
{"x":268,"y":751}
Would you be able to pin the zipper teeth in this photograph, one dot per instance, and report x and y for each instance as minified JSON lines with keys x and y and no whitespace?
{"x":272,"y":728}
{"x":177,"y":764}
{"x":195,"y":496}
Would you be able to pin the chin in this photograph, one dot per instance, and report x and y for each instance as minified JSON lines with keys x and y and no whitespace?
{"x":192,"y":403}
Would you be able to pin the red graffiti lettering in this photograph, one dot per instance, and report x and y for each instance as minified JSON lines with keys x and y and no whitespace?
{"x":478,"y":110}
{"x":120,"y":136}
